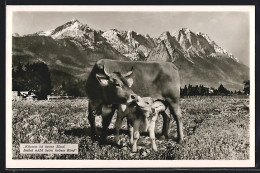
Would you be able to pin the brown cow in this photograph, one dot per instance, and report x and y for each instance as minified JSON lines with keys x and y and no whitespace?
{"x":105,"y":91}
{"x":159,"y":80}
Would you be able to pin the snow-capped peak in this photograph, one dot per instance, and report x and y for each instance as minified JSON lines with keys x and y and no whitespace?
{"x":79,"y":33}
{"x":45,"y":33}
{"x":73,"y":28}
{"x":73,"y":24}
{"x":194,"y":46}
{"x":205,"y":36}
{"x":15,"y":35}
{"x":186,"y":30}
{"x":218,"y":49}
{"x":74,"y":20}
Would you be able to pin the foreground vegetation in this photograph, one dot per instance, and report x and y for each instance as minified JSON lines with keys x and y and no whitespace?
{"x":214,"y":128}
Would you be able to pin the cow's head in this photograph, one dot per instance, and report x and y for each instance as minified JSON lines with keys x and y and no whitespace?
{"x":116,"y":87}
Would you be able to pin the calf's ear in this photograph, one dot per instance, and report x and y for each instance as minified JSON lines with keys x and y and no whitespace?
{"x":103,"y":80}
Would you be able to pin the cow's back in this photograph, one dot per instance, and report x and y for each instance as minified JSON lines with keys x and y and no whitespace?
{"x":155,"y":79}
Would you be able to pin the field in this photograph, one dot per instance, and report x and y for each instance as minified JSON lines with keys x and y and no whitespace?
{"x":214,"y":128}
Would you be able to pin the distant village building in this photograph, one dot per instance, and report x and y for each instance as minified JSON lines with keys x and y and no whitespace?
{"x":211,"y":91}
{"x":208,"y":90}
{"x":52,"y":97}
{"x":23,"y":95}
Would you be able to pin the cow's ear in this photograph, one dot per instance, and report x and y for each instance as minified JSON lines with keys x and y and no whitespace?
{"x":128,"y":74}
{"x":103,"y":80}
{"x":130,"y":81}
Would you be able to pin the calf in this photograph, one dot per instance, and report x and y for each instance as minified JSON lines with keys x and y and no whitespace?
{"x":141,"y":116}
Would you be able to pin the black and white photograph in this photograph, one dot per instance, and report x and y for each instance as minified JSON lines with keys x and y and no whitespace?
{"x":130,"y":86}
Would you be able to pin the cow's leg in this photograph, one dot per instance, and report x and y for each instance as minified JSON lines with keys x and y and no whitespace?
{"x":91,"y":119}
{"x":118,"y":125}
{"x":166,"y":122}
{"x":107,"y":114}
{"x":176,"y":113}
{"x":152,"y":135}
{"x":136,"y":135}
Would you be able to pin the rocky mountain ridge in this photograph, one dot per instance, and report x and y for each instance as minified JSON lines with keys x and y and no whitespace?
{"x":75,"y":47}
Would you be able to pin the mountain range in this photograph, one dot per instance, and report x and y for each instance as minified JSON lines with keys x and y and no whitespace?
{"x":70,"y":51}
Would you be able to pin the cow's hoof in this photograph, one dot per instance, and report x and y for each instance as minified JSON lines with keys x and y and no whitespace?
{"x":180,"y":141}
{"x":167,"y":136}
{"x":163,"y":137}
{"x":118,"y":142}
{"x":102,"y":141}
{"x":94,"y":137}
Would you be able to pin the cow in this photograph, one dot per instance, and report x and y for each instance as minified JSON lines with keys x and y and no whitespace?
{"x":105,"y":92}
{"x":159,"y":80}
{"x":141,"y":116}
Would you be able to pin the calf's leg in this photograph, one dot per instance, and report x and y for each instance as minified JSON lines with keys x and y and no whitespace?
{"x":131,"y":134}
{"x":152,"y":135}
{"x":136,"y":135}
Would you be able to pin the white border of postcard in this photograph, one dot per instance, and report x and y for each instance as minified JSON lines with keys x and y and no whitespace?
{"x":10,"y":163}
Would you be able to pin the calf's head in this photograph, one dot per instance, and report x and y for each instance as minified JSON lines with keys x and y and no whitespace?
{"x":149,"y":107}
{"x":145,"y":105}
{"x":116,"y":87}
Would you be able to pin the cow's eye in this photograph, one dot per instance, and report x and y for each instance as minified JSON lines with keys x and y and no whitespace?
{"x":147,"y":103}
{"x":117,"y":85}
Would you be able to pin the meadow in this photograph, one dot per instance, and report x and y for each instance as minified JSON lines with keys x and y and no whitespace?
{"x":215,"y":128}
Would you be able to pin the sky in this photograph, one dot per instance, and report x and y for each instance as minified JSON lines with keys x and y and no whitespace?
{"x":230,"y":30}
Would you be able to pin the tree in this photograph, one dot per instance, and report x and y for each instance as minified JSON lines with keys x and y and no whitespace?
{"x":185,"y":91}
{"x":33,"y":77}
{"x":246,"y":87}
{"x":63,"y":85}
{"x":222,"y":90}
{"x":76,"y":89}
{"x":189,"y":92}
{"x":73,"y":90}
{"x":204,"y":90}
{"x":196,"y":90}
{"x":18,"y":76}
{"x":40,"y":79}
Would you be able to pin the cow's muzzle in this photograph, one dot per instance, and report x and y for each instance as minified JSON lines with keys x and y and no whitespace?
{"x":132,"y":98}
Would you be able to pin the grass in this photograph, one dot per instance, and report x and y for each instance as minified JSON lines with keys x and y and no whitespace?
{"x":215,"y":128}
